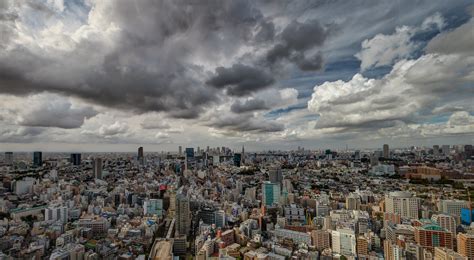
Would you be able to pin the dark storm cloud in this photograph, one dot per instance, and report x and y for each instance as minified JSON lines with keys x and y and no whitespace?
{"x":312,"y":63}
{"x":248,"y":106}
{"x":242,"y":123}
{"x":49,"y":113}
{"x":295,"y":40}
{"x":240,"y":80}
{"x":149,"y":66}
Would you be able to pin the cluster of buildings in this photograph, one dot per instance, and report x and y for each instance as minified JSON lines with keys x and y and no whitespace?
{"x":216,"y":203}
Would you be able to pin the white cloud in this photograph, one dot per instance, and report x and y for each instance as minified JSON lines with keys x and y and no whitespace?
{"x":48,"y":110}
{"x":383,"y":49}
{"x":412,"y":91}
{"x":113,"y":129}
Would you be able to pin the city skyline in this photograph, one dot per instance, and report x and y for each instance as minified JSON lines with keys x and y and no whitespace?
{"x":86,"y":76}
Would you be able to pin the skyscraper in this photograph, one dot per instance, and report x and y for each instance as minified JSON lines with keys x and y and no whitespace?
{"x":98,"y":168}
{"x":237,"y":159}
{"x":189,"y":153}
{"x":402,"y":203}
{"x":76,"y":159}
{"x":9,"y":158}
{"x":436,"y":150}
{"x":140,"y":154}
{"x":180,"y":150}
{"x":183,"y":222}
{"x":445,"y":221}
{"x":445,"y":149}
{"x":37,"y":159}
{"x":270,"y":193}
{"x":275,"y":175}
{"x":386,"y":151}
{"x":465,"y":245}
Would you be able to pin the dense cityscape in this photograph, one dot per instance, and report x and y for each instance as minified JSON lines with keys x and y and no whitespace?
{"x":236,"y":129}
{"x":218,"y":203}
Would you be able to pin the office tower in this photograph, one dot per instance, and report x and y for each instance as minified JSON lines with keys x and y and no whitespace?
{"x":220,"y":218}
{"x":436,"y":150}
{"x":363,"y":247}
{"x":199,"y":150}
{"x":468,"y":151}
{"x":237,"y":159}
{"x":172,"y":207}
{"x":465,"y":245}
{"x":243,"y":155}
{"x":76,"y":159}
{"x":153,"y":207}
{"x":386,"y":151}
{"x":447,"y":254}
{"x":189,"y":153}
{"x":353,"y":202}
{"x":180,"y":150}
{"x":344,"y":242}
{"x":430,"y":236}
{"x":275,"y":175}
{"x":402,"y":203}
{"x":98,"y":168}
{"x":321,"y":239}
{"x":140,"y":155}
{"x":453,"y":207}
{"x":9,"y":158}
{"x":393,"y":251}
{"x":207,"y":215}
{"x":445,"y":221}
{"x":207,"y":149}
{"x":56,"y":213}
{"x":445,"y":149}
{"x":357,"y":155}
{"x":270,"y":193}
{"x":37,"y":159}
{"x":183,"y":217}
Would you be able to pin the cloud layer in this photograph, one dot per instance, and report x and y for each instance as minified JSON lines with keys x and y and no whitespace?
{"x":224,"y":72}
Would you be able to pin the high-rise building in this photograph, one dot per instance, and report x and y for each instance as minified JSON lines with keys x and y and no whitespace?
{"x":344,"y":242}
{"x":402,"y":203}
{"x":465,"y":245}
{"x":243,"y":156}
{"x":441,"y":253}
{"x":9,"y":158}
{"x":180,"y":150}
{"x":275,"y":175}
{"x":453,"y":207}
{"x":98,"y":168}
{"x":362,"y":247}
{"x":75,"y":159}
{"x":183,"y":217}
{"x":386,"y":151}
{"x":445,"y":149}
{"x":56,"y":213}
{"x":140,"y":154}
{"x":189,"y":153}
{"x":153,"y":207}
{"x":436,"y":150}
{"x":270,"y":193}
{"x":446,"y":221}
{"x":237,"y":159}
{"x":430,"y":236}
{"x":321,"y":239}
{"x":393,"y":251}
{"x":353,"y":202}
{"x":37,"y":159}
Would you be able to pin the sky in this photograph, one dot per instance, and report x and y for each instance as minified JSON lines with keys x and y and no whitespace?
{"x":85,"y":75}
